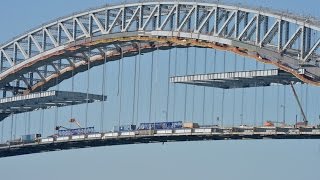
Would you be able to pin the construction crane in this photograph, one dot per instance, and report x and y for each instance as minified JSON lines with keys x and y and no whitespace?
{"x":72,"y":120}
{"x":305,"y":121}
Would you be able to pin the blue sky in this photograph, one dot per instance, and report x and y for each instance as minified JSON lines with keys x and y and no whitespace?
{"x":223,"y":160}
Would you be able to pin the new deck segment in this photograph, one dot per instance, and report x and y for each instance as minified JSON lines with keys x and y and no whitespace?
{"x":241,"y":79}
{"x":44,"y":100}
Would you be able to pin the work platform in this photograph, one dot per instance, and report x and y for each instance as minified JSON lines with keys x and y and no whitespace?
{"x":44,"y":100}
{"x":241,"y":79}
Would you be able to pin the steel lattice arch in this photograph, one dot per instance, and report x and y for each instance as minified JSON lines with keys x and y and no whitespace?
{"x":40,"y":58}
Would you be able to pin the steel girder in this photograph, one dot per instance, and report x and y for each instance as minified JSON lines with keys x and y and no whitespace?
{"x":35,"y":59}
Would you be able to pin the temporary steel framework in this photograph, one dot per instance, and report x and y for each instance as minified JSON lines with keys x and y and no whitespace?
{"x":48,"y":54}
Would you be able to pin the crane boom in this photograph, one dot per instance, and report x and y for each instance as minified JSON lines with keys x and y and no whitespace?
{"x":73,"y":120}
{"x":300,"y":106}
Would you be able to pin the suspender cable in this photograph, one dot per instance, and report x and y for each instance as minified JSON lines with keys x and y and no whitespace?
{"x":119,"y":71}
{"x":213,"y":98}
{"x":255,"y":99}
{"x":168,"y":88}
{"x":277,"y":108}
{"x":88,"y":88}
{"x":242,"y":94}
{"x":13,"y":115}
{"x":186,"y":88}
{"x":204,"y":88}
{"x":29,"y":122}
{"x":307,"y":91}
{"x":41,"y":116}
{"x":11,"y":127}
{"x":42,"y":120}
{"x":103,"y":89}
{"x":174,"y":87}
{"x":262,"y":106}
{"x":151,"y":86}
{"x":138,"y":82}
{"x":120,"y":86}
{"x":222,"y":115}
{"x":2,"y":127}
{"x":72,"y":90}
{"x":301,"y":100}
{"x":134,"y":89}
{"x":15,"y":127}
{"x":56,"y":116}
{"x":284,"y":104}
{"x":193,"y":87}
{"x":223,"y":91}
{"x":155,"y":102}
{"x":25,"y":122}
{"x":234,"y":93}
{"x":56,"y":107}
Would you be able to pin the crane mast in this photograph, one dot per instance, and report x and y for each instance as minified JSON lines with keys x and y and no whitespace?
{"x":299,"y":104}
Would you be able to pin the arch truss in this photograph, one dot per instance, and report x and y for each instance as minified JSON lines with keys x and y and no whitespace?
{"x":58,"y":50}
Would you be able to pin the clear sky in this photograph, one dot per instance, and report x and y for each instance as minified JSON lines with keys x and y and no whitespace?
{"x":223,"y":160}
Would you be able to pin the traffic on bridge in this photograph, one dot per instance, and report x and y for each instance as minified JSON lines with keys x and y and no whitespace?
{"x":159,"y":132}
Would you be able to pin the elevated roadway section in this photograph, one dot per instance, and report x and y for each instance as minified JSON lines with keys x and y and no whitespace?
{"x":44,"y":100}
{"x":156,"y":136}
{"x":240,"y":79}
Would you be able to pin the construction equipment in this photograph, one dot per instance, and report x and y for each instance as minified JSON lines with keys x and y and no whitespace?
{"x":305,"y":121}
{"x":73,"y":120}
{"x":272,"y":123}
{"x":64,"y":131}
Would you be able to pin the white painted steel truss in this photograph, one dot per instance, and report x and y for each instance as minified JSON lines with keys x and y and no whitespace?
{"x":34,"y":59}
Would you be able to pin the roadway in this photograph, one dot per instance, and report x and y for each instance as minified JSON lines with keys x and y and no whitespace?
{"x":151,"y":136}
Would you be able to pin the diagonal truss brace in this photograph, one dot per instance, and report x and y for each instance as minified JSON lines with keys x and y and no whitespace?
{"x":205,"y":21}
{"x":270,"y":34}
{"x":188,"y":16}
{"x":170,"y":14}
{"x":131,"y":19}
{"x":7,"y":57}
{"x":224,"y":26}
{"x":292,"y":39}
{"x":314,"y":48}
{"x":242,"y":34}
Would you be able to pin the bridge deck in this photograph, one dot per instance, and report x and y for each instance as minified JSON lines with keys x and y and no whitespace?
{"x":242,"y":79}
{"x":125,"y":138}
{"x":44,"y":100}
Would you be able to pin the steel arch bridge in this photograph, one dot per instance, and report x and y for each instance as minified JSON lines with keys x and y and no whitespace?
{"x":40,"y":58}
{"x":47,"y":55}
